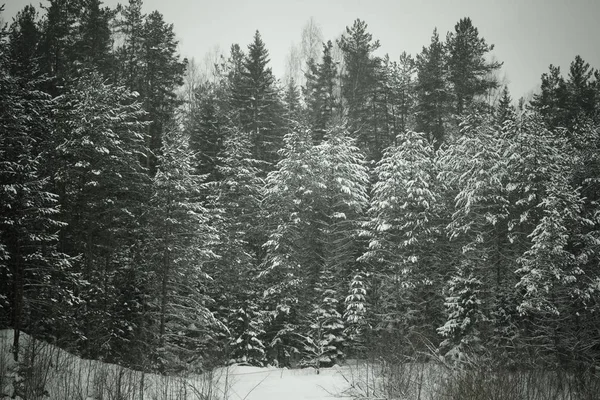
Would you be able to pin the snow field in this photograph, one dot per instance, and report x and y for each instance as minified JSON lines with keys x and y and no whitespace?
{"x":56,"y":374}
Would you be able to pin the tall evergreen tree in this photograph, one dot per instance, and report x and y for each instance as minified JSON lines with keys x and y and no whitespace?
{"x":551,"y":102}
{"x":406,"y":243}
{"x":361,"y":85}
{"x":236,"y":201}
{"x":24,"y":42}
{"x":323,"y":190}
{"x":469,"y":72}
{"x":321,"y":100}
{"x":255,"y":96}
{"x":505,"y":110}
{"x":180,"y":244}
{"x":162,"y":73}
{"x":102,"y":188}
{"x":94,"y":47}
{"x":36,"y":277}
{"x":433,"y":94}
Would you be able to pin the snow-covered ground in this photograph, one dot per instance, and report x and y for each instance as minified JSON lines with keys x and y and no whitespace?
{"x":271,"y":383}
{"x":59,"y":375}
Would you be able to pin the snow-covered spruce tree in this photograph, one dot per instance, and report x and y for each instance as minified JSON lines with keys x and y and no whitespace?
{"x":355,"y":314}
{"x":315,"y":198}
{"x":476,"y":167}
{"x":36,"y":278}
{"x":404,"y":229}
{"x":290,"y":197}
{"x":236,"y":203}
{"x":97,"y":144}
{"x":465,"y":316}
{"x":558,"y":289}
{"x":179,"y":244}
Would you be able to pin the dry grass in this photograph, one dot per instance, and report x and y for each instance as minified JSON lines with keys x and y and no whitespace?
{"x":47,"y":372}
{"x":412,"y":380}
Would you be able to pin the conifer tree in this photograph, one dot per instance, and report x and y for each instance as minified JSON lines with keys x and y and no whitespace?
{"x":310,"y":251}
{"x":433,"y":94}
{"x":206,"y":126}
{"x":236,"y":203}
{"x":94,"y":47}
{"x":294,"y":111}
{"x":401,"y":79}
{"x":505,"y":111}
{"x":36,"y":277}
{"x":24,"y":43}
{"x":551,"y":102}
{"x":256,"y":99}
{"x":361,"y":86}
{"x":468,"y":70}
{"x":162,"y":73}
{"x":404,"y":230}
{"x":98,"y":138}
{"x":322,"y":103}
{"x":180,"y":244}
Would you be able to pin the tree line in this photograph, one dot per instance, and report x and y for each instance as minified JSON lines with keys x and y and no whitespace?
{"x":374,"y":207}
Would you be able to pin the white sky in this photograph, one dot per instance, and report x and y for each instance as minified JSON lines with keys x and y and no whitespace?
{"x":529,"y":35}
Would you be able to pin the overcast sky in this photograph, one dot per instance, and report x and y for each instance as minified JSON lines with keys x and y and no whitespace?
{"x":529,"y":35}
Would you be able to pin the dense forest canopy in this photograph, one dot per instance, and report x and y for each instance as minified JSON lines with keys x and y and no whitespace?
{"x":170,"y":221}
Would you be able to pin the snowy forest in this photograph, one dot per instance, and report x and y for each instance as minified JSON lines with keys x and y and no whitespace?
{"x":168,"y":220}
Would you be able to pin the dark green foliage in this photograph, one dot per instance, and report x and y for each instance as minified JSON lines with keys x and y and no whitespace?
{"x":235,"y":201}
{"x":315,"y":197}
{"x":173,"y":238}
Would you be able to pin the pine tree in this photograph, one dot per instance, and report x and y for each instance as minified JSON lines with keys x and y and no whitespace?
{"x":461,"y":332}
{"x":129,"y":54}
{"x":468,"y":70}
{"x":361,"y":85}
{"x":94,"y":47}
{"x":582,"y":99}
{"x":401,"y":81}
{"x":59,"y":38}
{"x":433,"y":94}
{"x":206,"y":124}
{"x":551,"y":102}
{"x":315,"y":199}
{"x":294,"y":111}
{"x":483,"y":254}
{"x":24,"y":42}
{"x":162,"y":73}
